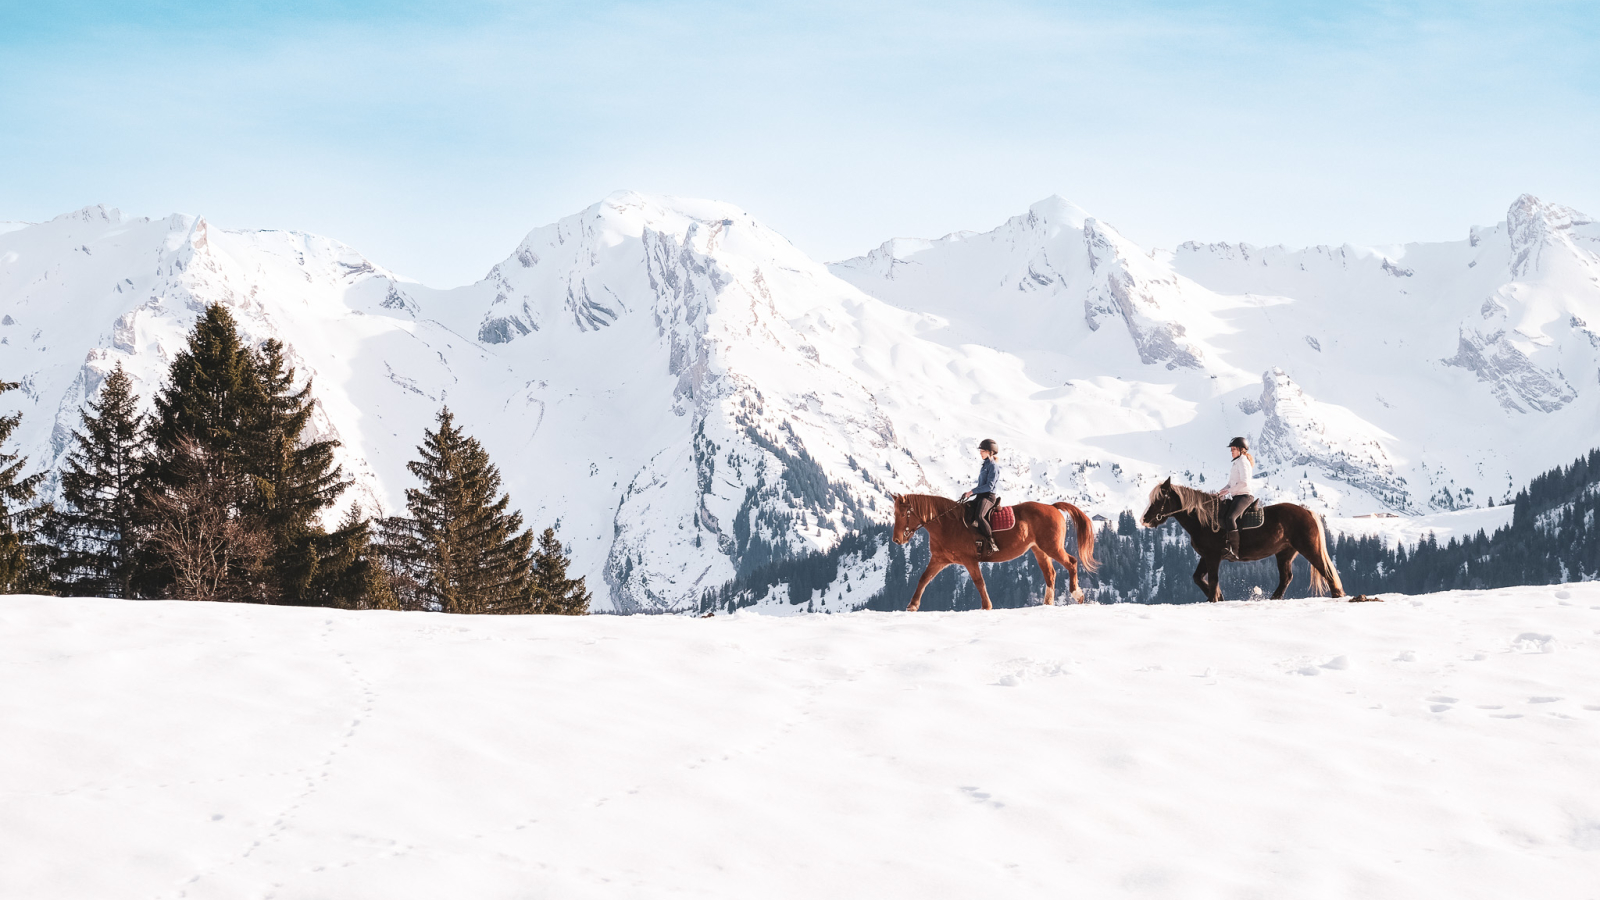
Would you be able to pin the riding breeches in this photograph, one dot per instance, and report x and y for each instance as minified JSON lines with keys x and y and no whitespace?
{"x":981,"y":505}
{"x":1234,"y":507}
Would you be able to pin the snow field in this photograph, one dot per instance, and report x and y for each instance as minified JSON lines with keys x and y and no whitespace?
{"x":1443,"y":745}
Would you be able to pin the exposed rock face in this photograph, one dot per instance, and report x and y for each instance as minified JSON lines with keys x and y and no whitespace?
{"x":1513,"y":345}
{"x":1301,"y":432}
{"x":1157,"y":335}
{"x":1516,"y":381}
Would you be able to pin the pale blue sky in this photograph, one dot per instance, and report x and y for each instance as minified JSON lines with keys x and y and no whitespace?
{"x":432,"y":136}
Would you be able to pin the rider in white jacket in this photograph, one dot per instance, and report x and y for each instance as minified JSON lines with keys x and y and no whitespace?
{"x":1238,"y":494}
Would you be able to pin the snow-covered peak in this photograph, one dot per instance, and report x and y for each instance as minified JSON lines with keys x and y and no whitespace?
{"x":1057,"y":210}
{"x":1534,"y":226}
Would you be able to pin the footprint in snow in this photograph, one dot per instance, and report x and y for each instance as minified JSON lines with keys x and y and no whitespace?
{"x":1441,"y":704}
{"x":1531,"y":642}
{"x":982,"y":797}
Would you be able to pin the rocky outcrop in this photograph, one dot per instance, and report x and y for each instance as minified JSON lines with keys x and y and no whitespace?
{"x":1156,"y":335}
{"x":1515,"y":380}
{"x":1303,"y":432}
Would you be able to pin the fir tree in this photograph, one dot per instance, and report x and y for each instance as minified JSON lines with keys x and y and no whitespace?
{"x":553,"y":592}
{"x":205,"y":427}
{"x":95,"y":530}
{"x":294,"y":481}
{"x":460,"y":550}
{"x":23,"y":557}
{"x":212,"y":397}
{"x":352,"y":575}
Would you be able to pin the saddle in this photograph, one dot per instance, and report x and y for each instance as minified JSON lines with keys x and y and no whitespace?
{"x":1254,"y":516}
{"x":1001,"y":518}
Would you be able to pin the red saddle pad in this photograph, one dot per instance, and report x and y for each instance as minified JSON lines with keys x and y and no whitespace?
{"x":1003,"y":518}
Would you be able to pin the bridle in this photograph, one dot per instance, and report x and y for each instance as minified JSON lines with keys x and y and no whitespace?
{"x":923,"y":521}
{"x":1162,"y":515}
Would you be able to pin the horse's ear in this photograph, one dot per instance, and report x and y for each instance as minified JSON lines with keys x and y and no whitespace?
{"x":1168,"y":482}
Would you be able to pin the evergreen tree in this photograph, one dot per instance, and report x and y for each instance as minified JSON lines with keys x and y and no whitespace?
{"x":212,"y":397}
{"x":352,"y":575}
{"x":553,"y":592}
{"x":248,"y":420}
{"x":460,"y":550}
{"x":23,"y":557}
{"x":94,"y":531}
{"x":294,"y":481}
{"x":205,"y":427}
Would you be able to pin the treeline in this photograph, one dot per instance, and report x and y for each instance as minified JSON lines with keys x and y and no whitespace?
{"x":220,"y":493}
{"x":1554,"y":537}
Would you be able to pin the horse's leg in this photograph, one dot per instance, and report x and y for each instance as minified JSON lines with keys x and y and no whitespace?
{"x":1058,"y":549}
{"x":1049,"y":571}
{"x":1207,"y":577}
{"x":933,"y":569}
{"x":977,"y":579}
{"x":1285,"y":571}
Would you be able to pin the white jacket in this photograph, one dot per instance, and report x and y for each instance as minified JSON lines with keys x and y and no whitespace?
{"x":1239,"y":478}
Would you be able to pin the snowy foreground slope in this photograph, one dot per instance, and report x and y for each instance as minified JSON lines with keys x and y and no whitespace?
{"x":1435,"y":746}
{"x":687,"y":395}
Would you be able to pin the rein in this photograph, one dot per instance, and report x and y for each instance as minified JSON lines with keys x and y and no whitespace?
{"x":1200,"y":499}
{"x":933,"y":518}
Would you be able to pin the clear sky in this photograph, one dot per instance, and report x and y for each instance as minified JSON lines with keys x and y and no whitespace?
{"x":432,"y":136}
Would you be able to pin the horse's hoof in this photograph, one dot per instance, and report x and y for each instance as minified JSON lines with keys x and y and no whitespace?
{"x":1078,"y":596}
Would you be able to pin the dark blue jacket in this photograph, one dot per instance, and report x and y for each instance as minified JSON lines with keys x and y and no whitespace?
{"x":988,"y":478}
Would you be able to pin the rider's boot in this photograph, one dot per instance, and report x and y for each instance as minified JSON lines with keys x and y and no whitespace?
{"x":1232,"y":539}
{"x":991,"y":545}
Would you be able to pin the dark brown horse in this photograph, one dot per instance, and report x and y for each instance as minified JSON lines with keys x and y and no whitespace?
{"x":1039,"y":528}
{"x":1290,"y":530}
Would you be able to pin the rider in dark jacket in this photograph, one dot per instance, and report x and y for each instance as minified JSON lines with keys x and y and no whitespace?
{"x":984,"y":495}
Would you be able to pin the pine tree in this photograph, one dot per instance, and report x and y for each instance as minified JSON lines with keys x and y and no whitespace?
{"x":205,"y":427}
{"x":23,"y":557}
{"x":294,"y":481}
{"x":95,"y":529}
{"x":212,"y":397}
{"x":352,"y":575}
{"x":553,"y":592}
{"x":459,"y":550}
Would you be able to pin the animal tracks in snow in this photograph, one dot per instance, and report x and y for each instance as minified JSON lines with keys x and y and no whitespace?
{"x":1018,"y":671}
{"x":1532,"y":642}
{"x":981,"y":797}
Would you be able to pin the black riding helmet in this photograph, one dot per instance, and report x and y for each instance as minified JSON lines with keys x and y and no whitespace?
{"x":1241,"y":443}
{"x":989,"y":445}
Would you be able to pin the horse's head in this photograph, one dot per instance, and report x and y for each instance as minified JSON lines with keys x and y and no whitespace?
{"x":906,"y":521}
{"x":1164,"y":501}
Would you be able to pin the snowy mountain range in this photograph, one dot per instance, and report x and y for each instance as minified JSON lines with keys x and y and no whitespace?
{"x":686,"y":395}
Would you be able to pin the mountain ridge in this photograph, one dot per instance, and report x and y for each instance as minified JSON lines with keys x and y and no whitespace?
{"x":688,"y":396}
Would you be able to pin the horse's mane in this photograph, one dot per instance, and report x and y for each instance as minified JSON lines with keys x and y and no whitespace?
{"x":1204,"y":504}
{"x":927,"y":505}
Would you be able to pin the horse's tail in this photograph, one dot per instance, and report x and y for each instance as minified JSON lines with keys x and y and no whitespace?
{"x":1085,"y":530}
{"x":1322,"y":563}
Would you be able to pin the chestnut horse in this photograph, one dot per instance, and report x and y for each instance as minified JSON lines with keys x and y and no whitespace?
{"x":1289,"y":530}
{"x":1039,"y":528}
